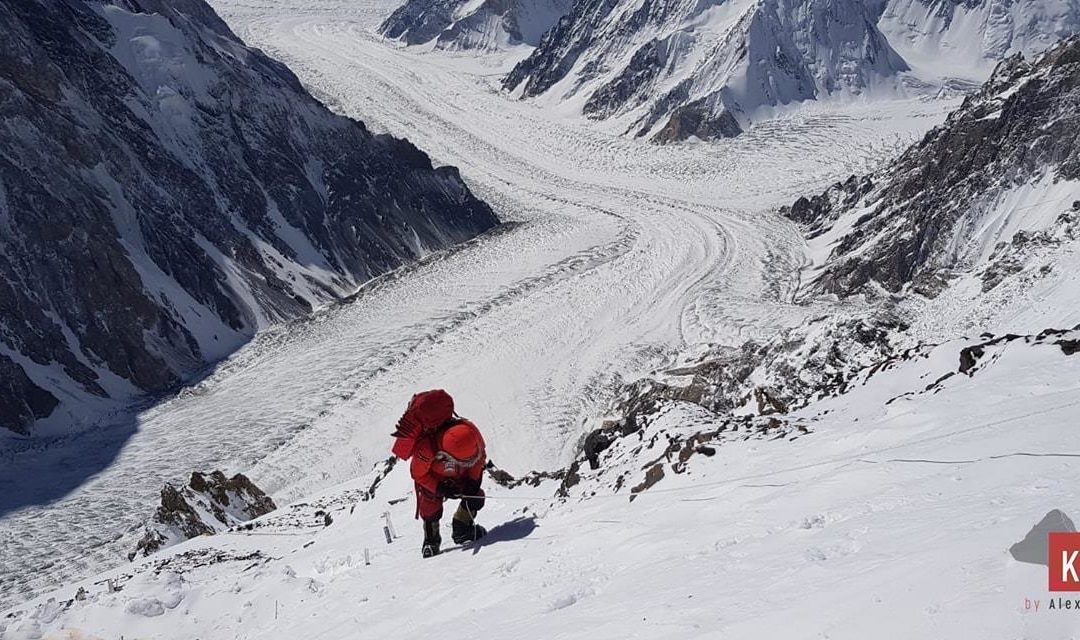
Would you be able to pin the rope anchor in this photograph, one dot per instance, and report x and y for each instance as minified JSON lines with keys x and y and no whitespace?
{"x":388,"y":528}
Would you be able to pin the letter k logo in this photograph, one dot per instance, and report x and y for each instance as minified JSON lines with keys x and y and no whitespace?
{"x":1068,"y":566}
{"x":1064,"y":556}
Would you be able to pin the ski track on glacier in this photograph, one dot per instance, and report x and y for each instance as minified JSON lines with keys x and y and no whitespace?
{"x":622,"y":253}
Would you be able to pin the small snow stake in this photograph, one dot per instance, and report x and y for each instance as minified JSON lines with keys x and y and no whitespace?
{"x":386,"y":532}
{"x":390,"y":525}
{"x":367,"y":556}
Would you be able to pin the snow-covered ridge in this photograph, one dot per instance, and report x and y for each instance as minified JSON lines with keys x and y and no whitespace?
{"x":166,"y":191}
{"x":673,"y":70}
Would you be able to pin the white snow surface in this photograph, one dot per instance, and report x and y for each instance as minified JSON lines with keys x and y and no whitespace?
{"x":944,"y":40}
{"x":890,"y":514}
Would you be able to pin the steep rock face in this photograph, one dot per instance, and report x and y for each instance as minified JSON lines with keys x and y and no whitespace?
{"x":208,"y":504}
{"x":165,"y":191}
{"x":1001,"y":173}
{"x":704,"y":69}
{"x":463,"y":24}
{"x":417,"y":22}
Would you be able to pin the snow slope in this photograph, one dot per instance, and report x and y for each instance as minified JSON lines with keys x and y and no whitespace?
{"x":944,"y":39}
{"x":623,"y":253}
{"x":891,"y":517}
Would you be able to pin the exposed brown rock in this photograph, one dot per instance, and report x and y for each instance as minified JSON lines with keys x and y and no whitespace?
{"x":652,"y":476}
{"x":180,"y":517}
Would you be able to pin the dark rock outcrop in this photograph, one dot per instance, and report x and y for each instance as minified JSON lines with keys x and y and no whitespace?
{"x":817,"y":213}
{"x":632,"y":86}
{"x":697,"y":120}
{"x":974,"y":357}
{"x":459,"y":24}
{"x":22,"y":401}
{"x":165,"y":191}
{"x":419,"y":21}
{"x":816,"y":360}
{"x":558,"y":52}
{"x":210,"y":503}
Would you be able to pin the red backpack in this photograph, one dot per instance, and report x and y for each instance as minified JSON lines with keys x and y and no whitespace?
{"x":427,"y":411}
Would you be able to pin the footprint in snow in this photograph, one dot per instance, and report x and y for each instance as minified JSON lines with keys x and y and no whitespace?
{"x":568,"y":600}
{"x":839,"y":550}
{"x":563,"y":602}
{"x":507,"y":568}
{"x":145,"y":607}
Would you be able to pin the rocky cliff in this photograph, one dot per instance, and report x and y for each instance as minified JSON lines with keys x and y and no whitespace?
{"x":208,"y":504}
{"x":165,"y":191}
{"x":462,"y":25}
{"x":1002,"y":173}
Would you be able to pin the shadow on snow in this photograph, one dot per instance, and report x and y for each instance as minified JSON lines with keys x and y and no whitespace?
{"x":516,"y":529}
{"x":40,"y":472}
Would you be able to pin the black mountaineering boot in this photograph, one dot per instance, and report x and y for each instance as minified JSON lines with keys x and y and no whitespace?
{"x":464,"y":532}
{"x":464,"y":528}
{"x":432,"y":539}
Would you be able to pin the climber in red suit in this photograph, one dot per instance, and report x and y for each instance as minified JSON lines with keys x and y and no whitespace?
{"x":448,"y":458}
